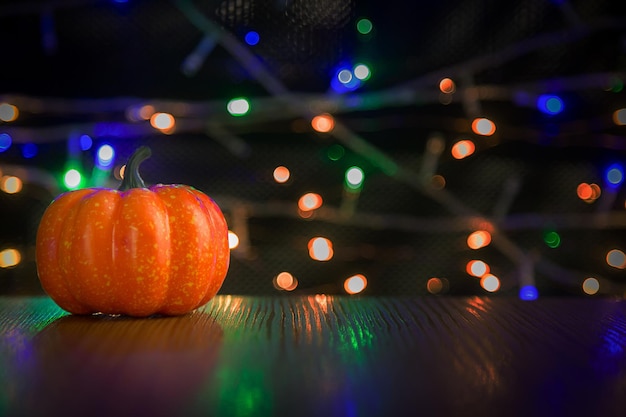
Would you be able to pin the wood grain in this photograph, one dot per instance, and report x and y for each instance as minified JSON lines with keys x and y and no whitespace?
{"x":319,"y":355}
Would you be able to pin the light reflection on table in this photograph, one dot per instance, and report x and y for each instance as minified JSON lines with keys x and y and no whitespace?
{"x":319,"y":355}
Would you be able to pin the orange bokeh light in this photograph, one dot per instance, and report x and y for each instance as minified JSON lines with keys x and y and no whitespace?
{"x":281,"y":174}
{"x":477,"y":268}
{"x":323,"y":123}
{"x":479,"y":239}
{"x":462,"y":149}
{"x":483,"y":126}
{"x":447,"y":86}
{"x":355,"y":284}
{"x":310,"y":201}
{"x":320,"y":249}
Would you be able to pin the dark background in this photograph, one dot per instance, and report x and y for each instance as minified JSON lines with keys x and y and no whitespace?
{"x":80,"y":67}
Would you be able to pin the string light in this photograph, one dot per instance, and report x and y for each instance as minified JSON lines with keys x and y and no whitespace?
{"x":490,"y":282}
{"x":162,"y":121}
{"x":477,"y":268}
{"x":483,"y":126}
{"x":479,"y":239}
{"x":323,"y":123}
{"x":355,"y":284}
{"x":310,"y":201}
{"x":462,"y":149}
{"x":354,"y":178}
{"x":239,"y":106}
{"x":447,"y":86}
{"x":281,"y":174}
{"x":320,"y":249}
{"x":72,"y":179}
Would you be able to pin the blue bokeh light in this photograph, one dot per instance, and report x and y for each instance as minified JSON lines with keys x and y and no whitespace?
{"x":85,"y":142}
{"x":614,"y":175}
{"x":344,"y":80}
{"x":5,"y":141}
{"x":252,"y":38}
{"x":105,"y":156}
{"x":528,"y":293}
{"x":550,"y":104}
{"x":29,"y":150}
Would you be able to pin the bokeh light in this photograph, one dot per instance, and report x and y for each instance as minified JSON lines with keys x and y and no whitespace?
{"x":252,"y":38}
{"x":323,"y":123}
{"x":477,"y":268}
{"x":239,"y":106}
{"x":163,"y":121}
{"x":335,"y":152}
{"x":528,"y":293}
{"x":483,"y":126}
{"x":8,"y":112}
{"x":364,"y":26}
{"x":550,"y":104}
{"x":479,"y":239}
{"x":10,"y":257}
{"x":616,"y":258}
{"x":355,"y":284}
{"x":447,"y":86}
{"x":310,"y":201}
{"x":619,"y":117}
{"x":438,"y":182}
{"x":320,"y":249}
{"x":29,"y":150}
{"x":463,"y":149}
{"x":362,"y":72}
{"x":5,"y":141}
{"x":614,"y":174}
{"x":354,"y":178}
{"x":436,"y":285}
{"x":552,"y":239}
{"x":588,"y":192}
{"x":11,"y":184}
{"x":281,"y":174}
{"x":105,"y":156}
{"x":591,"y":286}
{"x":72,"y":179}
{"x":233,"y":240}
{"x":146,"y":111}
{"x":285,"y":281}
{"x":490,"y":282}
{"x":85,"y":142}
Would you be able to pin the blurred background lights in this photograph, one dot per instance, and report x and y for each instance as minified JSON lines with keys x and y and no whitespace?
{"x":615,"y":174}
{"x":85,"y":142}
{"x":436,"y":285}
{"x":5,"y":141}
{"x":550,"y":104}
{"x":483,"y":126}
{"x":591,"y":286}
{"x":588,"y":192}
{"x":463,"y":149}
{"x":477,"y":268}
{"x":252,"y":38}
{"x":29,"y":150}
{"x":344,"y":76}
{"x":162,"y":121}
{"x":8,"y":112}
{"x":281,"y":174}
{"x":364,"y":26}
{"x":11,"y":184}
{"x":146,"y":111}
{"x":552,"y":239}
{"x":354,"y":177}
{"x":310,"y":201}
{"x":355,"y":284}
{"x":335,"y":152}
{"x":9,"y":257}
{"x":528,"y":293}
{"x":619,"y":117}
{"x":479,"y":239}
{"x":238,"y":106}
{"x":72,"y":179}
{"x":447,"y":86}
{"x":362,"y":72}
{"x":285,"y":281}
{"x":616,"y":259}
{"x":105,"y":156}
{"x":490,"y":283}
{"x":233,"y":240}
{"x":320,"y":249}
{"x":323,"y":123}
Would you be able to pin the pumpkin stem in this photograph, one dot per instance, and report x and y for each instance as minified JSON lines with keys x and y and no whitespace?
{"x":132,"y":179}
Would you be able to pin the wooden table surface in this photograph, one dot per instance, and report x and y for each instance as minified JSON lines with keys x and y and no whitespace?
{"x":319,"y":355}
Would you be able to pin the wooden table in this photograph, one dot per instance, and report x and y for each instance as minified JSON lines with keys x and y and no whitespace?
{"x":319,"y":355}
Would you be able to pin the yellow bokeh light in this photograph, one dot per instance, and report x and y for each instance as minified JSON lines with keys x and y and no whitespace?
{"x":483,"y":126}
{"x":320,"y":249}
{"x":591,"y":286}
{"x":310,"y":201}
{"x":355,"y":284}
{"x":323,"y":123}
{"x":233,"y":240}
{"x":285,"y":281}
{"x":490,"y":283}
{"x":462,"y":149}
{"x":477,"y":268}
{"x":479,"y":239}
{"x":616,"y":258}
{"x":281,"y":174}
{"x":10,"y":184}
{"x":163,"y":121}
{"x":9,"y":258}
{"x":8,"y":112}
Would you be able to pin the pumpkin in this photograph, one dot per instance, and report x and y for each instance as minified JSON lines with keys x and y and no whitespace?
{"x":133,"y":251}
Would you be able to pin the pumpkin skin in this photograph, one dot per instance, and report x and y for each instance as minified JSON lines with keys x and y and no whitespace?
{"x":137,"y":252}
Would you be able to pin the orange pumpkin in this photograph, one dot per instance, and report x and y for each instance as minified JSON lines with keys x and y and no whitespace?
{"x":134,"y":251}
